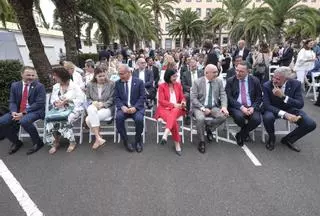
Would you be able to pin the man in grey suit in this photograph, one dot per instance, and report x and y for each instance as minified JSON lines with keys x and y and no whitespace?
{"x":208,"y":99}
{"x":187,"y":78}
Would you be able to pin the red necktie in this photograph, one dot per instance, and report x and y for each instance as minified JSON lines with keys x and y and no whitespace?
{"x":24,"y":99}
{"x":243,"y":93}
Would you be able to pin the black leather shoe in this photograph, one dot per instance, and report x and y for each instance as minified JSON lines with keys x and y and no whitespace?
{"x":130,"y":147}
{"x":270,"y":143}
{"x":239,"y":139}
{"x":15,"y":147}
{"x":35,"y":148}
{"x":139,"y":147}
{"x":209,"y":135}
{"x":291,"y":146}
{"x":163,"y":141}
{"x":202,"y":147}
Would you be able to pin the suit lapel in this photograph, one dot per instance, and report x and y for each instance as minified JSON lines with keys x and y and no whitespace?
{"x":20,"y":89}
{"x":31,"y":89}
{"x":288,"y":88}
{"x":204,"y":87}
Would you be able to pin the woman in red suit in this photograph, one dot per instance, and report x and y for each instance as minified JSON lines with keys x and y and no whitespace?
{"x":171,"y":105}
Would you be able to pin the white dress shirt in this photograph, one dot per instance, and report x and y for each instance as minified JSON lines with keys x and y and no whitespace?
{"x":282,"y":112}
{"x":241,"y":52}
{"x":77,"y":79}
{"x":142,"y":75}
{"x":129,"y":90}
{"x":23,"y":86}
{"x":194,"y":76}
{"x":173,"y":98}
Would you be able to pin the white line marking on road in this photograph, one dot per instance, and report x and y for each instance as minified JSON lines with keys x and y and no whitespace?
{"x":23,"y":198}
{"x":253,"y":158}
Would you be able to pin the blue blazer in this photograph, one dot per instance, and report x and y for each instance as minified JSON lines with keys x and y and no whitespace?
{"x":36,"y":98}
{"x":137,"y":94}
{"x":255,"y":92}
{"x":274,"y":104}
{"x":148,"y":77}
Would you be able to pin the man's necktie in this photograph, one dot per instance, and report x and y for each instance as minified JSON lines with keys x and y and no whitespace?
{"x":24,"y":99}
{"x":243,"y":93}
{"x":210,"y":95}
{"x":126,"y":90}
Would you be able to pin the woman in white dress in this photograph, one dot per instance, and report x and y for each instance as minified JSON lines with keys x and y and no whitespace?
{"x":65,"y":94}
{"x":305,"y":60}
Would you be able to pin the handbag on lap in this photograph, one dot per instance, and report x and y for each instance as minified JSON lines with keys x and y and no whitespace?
{"x":59,"y":114}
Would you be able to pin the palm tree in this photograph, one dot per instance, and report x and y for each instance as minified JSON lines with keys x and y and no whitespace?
{"x":187,"y":26}
{"x":160,"y":8}
{"x":67,"y":11}
{"x":282,"y":11}
{"x":231,"y":12}
{"x":24,"y":13}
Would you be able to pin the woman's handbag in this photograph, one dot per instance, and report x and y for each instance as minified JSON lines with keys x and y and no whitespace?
{"x":261,"y":68}
{"x":56,"y":114}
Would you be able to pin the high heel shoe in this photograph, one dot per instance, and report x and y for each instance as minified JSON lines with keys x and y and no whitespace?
{"x":178,"y":151}
{"x":163,"y":141}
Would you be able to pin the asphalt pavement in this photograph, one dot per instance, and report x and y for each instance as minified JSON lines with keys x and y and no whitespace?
{"x":157,"y":182}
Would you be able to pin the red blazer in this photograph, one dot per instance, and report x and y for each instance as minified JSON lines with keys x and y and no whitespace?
{"x":164,"y":98}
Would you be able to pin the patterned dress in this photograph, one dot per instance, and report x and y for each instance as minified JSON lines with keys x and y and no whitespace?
{"x":64,"y":128}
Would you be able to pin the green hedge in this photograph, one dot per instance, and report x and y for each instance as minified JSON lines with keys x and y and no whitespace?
{"x":84,"y":56}
{"x":9,"y":72}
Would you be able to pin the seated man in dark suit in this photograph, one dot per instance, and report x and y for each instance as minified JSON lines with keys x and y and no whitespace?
{"x":147,"y":77}
{"x":188,"y":77}
{"x":27,"y":105}
{"x":282,"y":98}
{"x":232,"y":71}
{"x":244,"y":99}
{"x":129,"y":99}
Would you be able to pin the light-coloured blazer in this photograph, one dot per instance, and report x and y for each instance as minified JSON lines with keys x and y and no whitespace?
{"x":107,"y":94}
{"x":198,"y":93}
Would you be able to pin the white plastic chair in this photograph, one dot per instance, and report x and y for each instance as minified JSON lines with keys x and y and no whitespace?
{"x":161,"y":125}
{"x":39,"y":124}
{"x":271,"y":69}
{"x":106,"y":129}
{"x":277,"y":132}
{"x":313,"y":85}
{"x":131,"y":129}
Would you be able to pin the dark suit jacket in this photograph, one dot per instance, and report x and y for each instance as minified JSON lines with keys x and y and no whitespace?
{"x":212,"y":58}
{"x":36,"y":98}
{"x":156,"y":75}
{"x":186,"y":80}
{"x":137,"y":95}
{"x":274,"y":104}
{"x":130,"y":62}
{"x":255,"y":92}
{"x":286,"y":58}
{"x":245,"y":54}
{"x":148,"y":77}
{"x":231,"y":72}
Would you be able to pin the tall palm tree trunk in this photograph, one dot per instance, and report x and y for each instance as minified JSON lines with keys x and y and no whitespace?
{"x":158,"y":26}
{"x":24,"y":13}
{"x":67,"y":12}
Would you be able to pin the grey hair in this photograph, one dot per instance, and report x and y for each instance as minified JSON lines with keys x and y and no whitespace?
{"x":285,"y":71}
{"x":126,"y":67}
{"x":90,"y":64}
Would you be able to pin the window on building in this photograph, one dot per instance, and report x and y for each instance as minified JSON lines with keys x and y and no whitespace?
{"x":177,"y":43}
{"x":168,"y":44}
{"x":199,"y":0}
{"x":198,"y":10}
{"x":208,"y":11}
{"x":209,"y":0}
{"x":313,"y":1}
{"x":188,"y":0}
{"x":166,"y":27}
{"x":225,"y":40}
{"x":304,"y":0}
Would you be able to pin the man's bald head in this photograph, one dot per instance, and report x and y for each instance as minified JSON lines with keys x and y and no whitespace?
{"x":211,"y":72}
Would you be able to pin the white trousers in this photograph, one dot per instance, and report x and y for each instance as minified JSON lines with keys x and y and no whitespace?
{"x":300,"y":75}
{"x":95,"y":116}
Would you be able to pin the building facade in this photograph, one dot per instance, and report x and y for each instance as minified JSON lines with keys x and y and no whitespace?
{"x":204,"y":7}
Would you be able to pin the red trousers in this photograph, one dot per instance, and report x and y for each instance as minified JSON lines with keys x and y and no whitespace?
{"x":170,"y":117}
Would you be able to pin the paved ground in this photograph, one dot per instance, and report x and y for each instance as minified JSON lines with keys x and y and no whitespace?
{"x":224,"y":181}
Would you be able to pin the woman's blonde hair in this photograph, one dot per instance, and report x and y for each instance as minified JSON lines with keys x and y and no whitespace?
{"x":68,"y":65}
